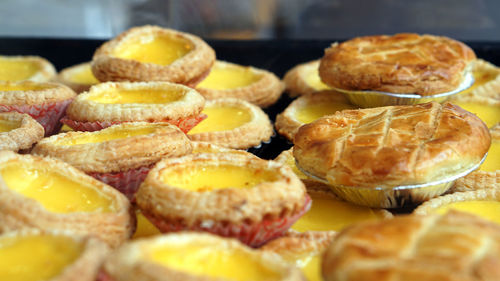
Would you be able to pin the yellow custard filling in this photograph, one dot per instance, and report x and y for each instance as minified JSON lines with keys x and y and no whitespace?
{"x":144,"y":227}
{"x":7,"y":125}
{"x":161,"y":50}
{"x":311,"y":76}
{"x":108,"y":134}
{"x":489,"y":210}
{"x":22,"y":87}
{"x":215,"y":261}
{"x":331,"y":214}
{"x":490,"y":114}
{"x":17,"y":70}
{"x":480,"y":78}
{"x":210,"y":177}
{"x":312,"y":112}
{"x":222,"y":118}
{"x":83,"y":75}
{"x":492,"y":162}
{"x":56,"y":192}
{"x":223,"y":77}
{"x":143,"y":96}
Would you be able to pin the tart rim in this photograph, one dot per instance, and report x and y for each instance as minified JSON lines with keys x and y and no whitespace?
{"x":295,"y":83}
{"x":64,"y":77}
{"x":53,"y":93}
{"x":46,"y":72}
{"x":22,"y":137}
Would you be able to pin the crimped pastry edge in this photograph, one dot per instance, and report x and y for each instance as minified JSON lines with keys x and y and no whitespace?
{"x":46,"y":72}
{"x":64,"y":77}
{"x":295,"y":82}
{"x":23,"y":137}
{"x":51,"y":92}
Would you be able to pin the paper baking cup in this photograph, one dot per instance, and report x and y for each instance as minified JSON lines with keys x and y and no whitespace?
{"x":376,"y":98}
{"x":396,"y":196}
{"x":47,"y":114}
{"x":252,"y":234}
{"x":127,"y":182}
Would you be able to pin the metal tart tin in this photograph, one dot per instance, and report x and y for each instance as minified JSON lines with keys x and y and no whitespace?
{"x":368,"y":98}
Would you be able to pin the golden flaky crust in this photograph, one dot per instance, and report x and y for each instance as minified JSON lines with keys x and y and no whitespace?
{"x":295,"y":79}
{"x":46,"y":71}
{"x":117,"y":155}
{"x":19,"y":212}
{"x":23,"y":137}
{"x":488,"y":89}
{"x":130,"y":262}
{"x":36,"y":93}
{"x":263,"y":92}
{"x":393,"y":145}
{"x":258,"y":129}
{"x":65,"y":77}
{"x":189,"y":69}
{"x":84,"y":109}
{"x":404,"y":63}
{"x":283,"y":196}
{"x":453,"y":247}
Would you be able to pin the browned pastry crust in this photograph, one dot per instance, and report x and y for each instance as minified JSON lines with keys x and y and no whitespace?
{"x":189,"y":69}
{"x":391,"y":146}
{"x":293,"y":245}
{"x":405,"y":63}
{"x":264,"y":92}
{"x":46,"y":71}
{"x":487,"y":93}
{"x":206,"y":147}
{"x":19,"y":212}
{"x":117,"y":155}
{"x":295,"y":79}
{"x":34,"y":93}
{"x":28,"y":133}
{"x":65,"y":77}
{"x":453,"y":247}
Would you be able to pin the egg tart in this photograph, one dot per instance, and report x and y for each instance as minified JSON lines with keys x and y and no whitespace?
{"x":308,"y":108}
{"x":453,"y":247}
{"x":152,"y":53}
{"x":78,"y":77}
{"x":20,"y":68}
{"x":233,"y":123}
{"x":206,"y":147}
{"x":304,"y":79}
{"x":303,"y":250}
{"x":227,"y":194}
{"x":194,"y":256}
{"x":48,"y":194}
{"x":111,"y":103}
{"x":389,"y":156}
{"x":18,"y":131}
{"x":45,"y":102}
{"x":34,"y":255}
{"x":120,"y":155}
{"x":229,"y":80}
{"x":286,"y":158}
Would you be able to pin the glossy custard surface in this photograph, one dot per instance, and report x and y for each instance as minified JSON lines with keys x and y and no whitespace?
{"x":107,"y":135}
{"x":314,"y":111}
{"x":17,"y":70}
{"x":7,"y":125}
{"x":489,"y":210}
{"x":222,"y":118}
{"x":311,"y":267}
{"x":492,"y":162}
{"x":210,"y":177}
{"x":490,"y":114}
{"x":311,"y":76}
{"x":161,"y":50}
{"x":224,"y":77}
{"x":36,"y":257}
{"x":83,"y":75}
{"x":57,"y":193}
{"x":143,"y":96}
{"x":215,"y":261}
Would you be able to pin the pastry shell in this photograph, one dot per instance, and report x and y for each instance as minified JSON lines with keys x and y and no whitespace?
{"x":66,"y":75}
{"x":24,"y":136}
{"x":200,"y":147}
{"x":46,"y":71}
{"x":19,"y":212}
{"x":130,"y":261}
{"x":87,"y":264}
{"x":263,"y":92}
{"x":189,"y":69}
{"x":296,"y":79}
{"x":236,"y":212}
{"x":258,"y":129}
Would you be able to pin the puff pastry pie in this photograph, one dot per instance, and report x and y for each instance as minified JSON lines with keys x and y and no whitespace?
{"x":304,"y":79}
{"x":111,"y":103}
{"x":152,"y":53}
{"x":49,"y":194}
{"x":78,"y":77}
{"x":20,"y":68}
{"x":228,"y":194}
{"x":229,"y":80}
{"x":194,"y":256}
{"x":233,"y":123}
{"x":18,"y":131}
{"x":456,"y":246}
{"x":33,"y":255}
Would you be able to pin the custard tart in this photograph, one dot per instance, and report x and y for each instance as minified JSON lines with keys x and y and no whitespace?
{"x":78,"y":77}
{"x":453,"y":247}
{"x":34,"y":255}
{"x":120,"y":155}
{"x":152,"y":53}
{"x":194,"y":256}
{"x":233,"y":123}
{"x":45,"y":102}
{"x":18,"y":131}
{"x":303,"y":250}
{"x":227,"y":194}
{"x":308,"y":108}
{"x":111,"y":103}
{"x":229,"y":80}
{"x":388,"y":156}
{"x":20,"y":68}
{"x":206,"y":147}
{"x":49,"y":194}
{"x":304,"y":79}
